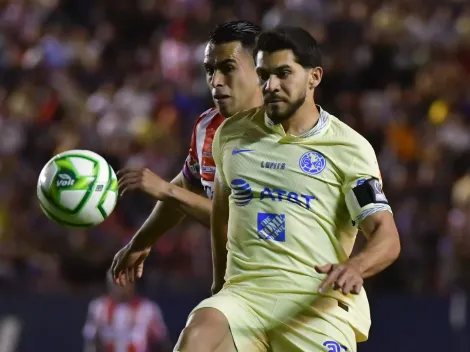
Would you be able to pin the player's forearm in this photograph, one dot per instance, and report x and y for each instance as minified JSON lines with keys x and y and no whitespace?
{"x":165,"y":215}
{"x":192,"y":204}
{"x":381,"y":250}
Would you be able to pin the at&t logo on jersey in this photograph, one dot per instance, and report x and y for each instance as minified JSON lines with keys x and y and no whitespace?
{"x":312,"y":162}
{"x":241,"y":192}
{"x":334,"y":346}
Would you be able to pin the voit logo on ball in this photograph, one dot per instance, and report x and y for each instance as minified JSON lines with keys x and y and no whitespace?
{"x":241,"y":192}
{"x":65,"y":180}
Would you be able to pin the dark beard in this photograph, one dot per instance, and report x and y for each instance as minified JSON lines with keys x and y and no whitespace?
{"x":278,"y":117}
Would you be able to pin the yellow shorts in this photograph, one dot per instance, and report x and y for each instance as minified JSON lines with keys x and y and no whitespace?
{"x":261,"y":322}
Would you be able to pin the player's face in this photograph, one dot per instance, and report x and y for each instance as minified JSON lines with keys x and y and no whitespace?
{"x":285,"y":84}
{"x":231,"y":77}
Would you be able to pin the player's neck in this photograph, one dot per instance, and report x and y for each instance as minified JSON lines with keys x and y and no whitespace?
{"x":302,"y":121}
{"x":256,"y":100}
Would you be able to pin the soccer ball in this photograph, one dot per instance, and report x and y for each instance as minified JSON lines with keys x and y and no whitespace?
{"x":77,"y":188}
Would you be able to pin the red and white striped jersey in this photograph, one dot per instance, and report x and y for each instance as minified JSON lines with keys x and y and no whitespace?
{"x":124,"y":327}
{"x":199,"y":167}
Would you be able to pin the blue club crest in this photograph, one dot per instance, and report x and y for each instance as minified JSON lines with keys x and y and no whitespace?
{"x":312,"y":162}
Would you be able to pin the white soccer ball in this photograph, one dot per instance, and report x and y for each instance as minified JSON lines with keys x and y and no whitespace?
{"x":78,"y":189}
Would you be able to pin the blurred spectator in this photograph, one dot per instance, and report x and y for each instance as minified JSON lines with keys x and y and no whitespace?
{"x":123,"y":321}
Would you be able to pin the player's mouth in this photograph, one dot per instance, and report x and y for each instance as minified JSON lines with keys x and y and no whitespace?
{"x":273,"y":100}
{"x":221,"y":98}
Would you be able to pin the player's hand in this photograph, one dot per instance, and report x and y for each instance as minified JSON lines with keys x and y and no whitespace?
{"x":130,"y":179}
{"x":128,"y":264}
{"x":345,"y":277}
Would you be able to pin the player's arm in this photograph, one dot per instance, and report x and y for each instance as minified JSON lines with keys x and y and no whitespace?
{"x":383,"y":244}
{"x":179,"y":194}
{"x":219,"y":224}
{"x":191,"y":201}
{"x":178,"y":198}
{"x":165,"y":215}
{"x":369,"y":209}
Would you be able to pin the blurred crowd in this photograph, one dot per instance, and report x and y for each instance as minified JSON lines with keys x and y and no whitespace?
{"x":124,"y":78}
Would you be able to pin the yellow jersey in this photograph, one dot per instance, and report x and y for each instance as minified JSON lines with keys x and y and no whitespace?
{"x":291,"y":206}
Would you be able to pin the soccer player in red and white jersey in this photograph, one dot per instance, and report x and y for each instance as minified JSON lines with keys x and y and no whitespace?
{"x":124,"y":322}
{"x":232,"y":79}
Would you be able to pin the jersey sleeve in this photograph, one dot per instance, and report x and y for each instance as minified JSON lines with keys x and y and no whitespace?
{"x":218,"y":154}
{"x":191,"y":167}
{"x":363,"y":185}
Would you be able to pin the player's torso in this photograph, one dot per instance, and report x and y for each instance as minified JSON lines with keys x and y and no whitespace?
{"x":289,"y":199}
{"x":288,"y":213}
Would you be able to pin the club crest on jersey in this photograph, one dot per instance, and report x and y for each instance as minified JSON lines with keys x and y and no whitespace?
{"x":312,"y":162}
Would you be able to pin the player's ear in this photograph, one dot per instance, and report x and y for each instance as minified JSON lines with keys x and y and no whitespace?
{"x":315,"y":77}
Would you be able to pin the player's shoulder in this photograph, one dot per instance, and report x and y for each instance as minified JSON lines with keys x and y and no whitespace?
{"x":241,"y":121}
{"x":207,"y":116}
{"x":349,"y":136}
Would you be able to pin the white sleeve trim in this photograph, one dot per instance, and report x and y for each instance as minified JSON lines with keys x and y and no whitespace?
{"x":369,"y":211}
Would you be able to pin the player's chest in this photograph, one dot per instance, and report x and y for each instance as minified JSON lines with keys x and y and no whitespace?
{"x":286,"y":167}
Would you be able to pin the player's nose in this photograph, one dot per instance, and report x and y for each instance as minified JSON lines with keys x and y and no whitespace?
{"x":272,"y":84}
{"x":217,"y":79}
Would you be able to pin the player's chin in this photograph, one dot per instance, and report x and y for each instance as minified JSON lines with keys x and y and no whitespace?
{"x":275,"y":114}
{"x":225,"y":108}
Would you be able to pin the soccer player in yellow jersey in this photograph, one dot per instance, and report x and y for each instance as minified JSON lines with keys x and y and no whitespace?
{"x":293,"y":183}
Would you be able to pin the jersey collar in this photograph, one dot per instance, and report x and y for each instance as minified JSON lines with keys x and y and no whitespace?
{"x":318,"y":128}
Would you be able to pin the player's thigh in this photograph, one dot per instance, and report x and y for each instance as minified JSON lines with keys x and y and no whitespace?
{"x":207,"y":330}
{"x":309,"y":332}
{"x":247,"y":331}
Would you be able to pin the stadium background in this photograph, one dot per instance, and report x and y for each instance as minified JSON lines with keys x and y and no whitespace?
{"x":123,"y":78}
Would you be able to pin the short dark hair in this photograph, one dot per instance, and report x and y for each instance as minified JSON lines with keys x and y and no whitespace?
{"x":241,"y":31}
{"x":302,"y":43}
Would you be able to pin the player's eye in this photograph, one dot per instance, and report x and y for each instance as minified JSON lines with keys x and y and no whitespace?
{"x":263,"y":76}
{"x":227,"y":69}
{"x":283,"y":74}
{"x":209,"y":70}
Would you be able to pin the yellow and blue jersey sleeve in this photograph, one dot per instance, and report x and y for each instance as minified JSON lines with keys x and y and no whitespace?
{"x":363,"y":185}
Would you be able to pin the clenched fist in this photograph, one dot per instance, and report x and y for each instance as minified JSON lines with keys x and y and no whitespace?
{"x":130,"y":179}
